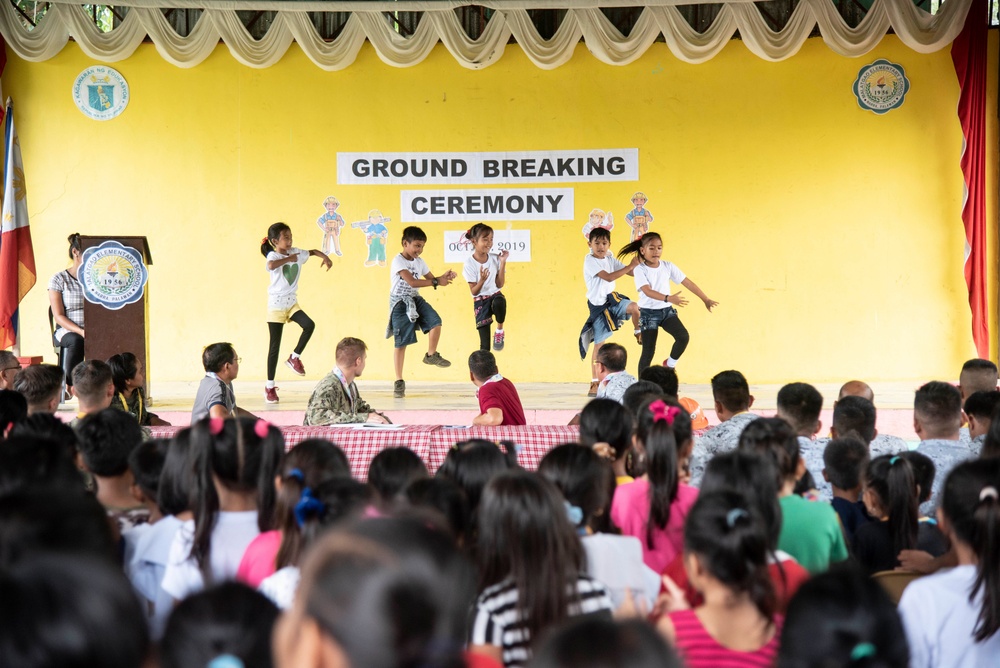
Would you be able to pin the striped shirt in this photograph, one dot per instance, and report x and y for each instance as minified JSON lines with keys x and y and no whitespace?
{"x":72,"y":298}
{"x":496,"y":620}
{"x":699,"y":649}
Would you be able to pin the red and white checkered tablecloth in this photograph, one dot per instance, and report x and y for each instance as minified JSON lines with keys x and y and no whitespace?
{"x":533,"y":441}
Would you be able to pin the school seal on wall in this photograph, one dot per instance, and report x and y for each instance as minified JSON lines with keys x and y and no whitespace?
{"x":113,"y":275}
{"x":881,"y":86}
{"x":101,"y":93}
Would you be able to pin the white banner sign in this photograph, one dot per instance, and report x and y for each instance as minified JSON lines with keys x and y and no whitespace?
{"x":438,"y":206}
{"x":457,"y":248}
{"x":612,"y":164}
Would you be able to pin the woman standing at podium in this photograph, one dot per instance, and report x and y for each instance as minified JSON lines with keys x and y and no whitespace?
{"x":66,"y":303}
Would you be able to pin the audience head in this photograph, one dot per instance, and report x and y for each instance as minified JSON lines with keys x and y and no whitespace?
{"x":731,"y":393}
{"x":59,"y":611}
{"x":842,"y":618}
{"x":13,"y":409}
{"x":612,"y":358}
{"x":41,"y":385}
{"x":665,"y":377}
{"x":890,"y":493}
{"x":639,"y":393}
{"x":146,"y":464}
{"x":991,"y":444}
{"x":93,"y":385}
{"x":177,"y":479}
{"x":606,"y":421}
{"x":47,"y":427}
{"x":937,"y":411}
{"x":856,"y":388}
{"x":482,"y":366}
{"x":445,"y":497}
{"x":923,"y":472}
{"x":775,"y":439}
{"x":473,"y":463}
{"x":29,"y":463}
{"x":854,"y":415}
{"x":726,"y":539}
{"x":221,"y":359}
{"x":391,"y":470}
{"x":752,"y":475}
{"x":844,"y":460}
{"x":800,"y":404}
{"x":663,"y":441}
{"x":970,"y":514}
{"x":126,"y":372}
{"x":230,"y":619}
{"x":9,"y":368}
{"x":107,"y":438}
{"x":979,"y":408}
{"x":605,"y":643}
{"x":351,"y":354}
{"x":585,"y":480}
{"x":978,"y":375}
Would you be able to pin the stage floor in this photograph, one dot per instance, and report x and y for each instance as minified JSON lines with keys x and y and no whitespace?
{"x":455,"y":403}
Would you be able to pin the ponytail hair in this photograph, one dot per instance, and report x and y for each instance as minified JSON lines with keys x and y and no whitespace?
{"x":728,"y":536}
{"x":635,"y":248}
{"x":970,"y":503}
{"x":890,"y":478}
{"x":242,"y":455}
{"x":774,"y":438}
{"x":478,"y":230}
{"x":273,"y":232}
{"x":75,"y":244}
{"x":662,"y":428}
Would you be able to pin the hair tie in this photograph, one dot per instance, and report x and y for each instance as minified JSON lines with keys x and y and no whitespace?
{"x":308,"y":506}
{"x":297,"y":474}
{"x":863,"y":650}
{"x":573,"y":513}
{"x":215,"y":425}
{"x":260,"y":428}
{"x":989,"y":493}
{"x":892,"y":462}
{"x":661,"y":411}
{"x":734,"y":515}
{"x":225,"y":661}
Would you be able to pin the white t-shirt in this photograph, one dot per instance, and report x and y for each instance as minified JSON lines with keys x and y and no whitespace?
{"x":147,"y":552}
{"x":281,"y":586}
{"x":598,"y":289}
{"x":616,"y":562}
{"x":658,"y":278}
{"x":939,"y":621}
{"x":471,"y":273}
{"x":232,"y":534}
{"x":284,"y":279}
{"x":417,"y":268}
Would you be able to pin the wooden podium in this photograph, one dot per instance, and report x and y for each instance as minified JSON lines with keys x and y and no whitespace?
{"x":125,"y":330}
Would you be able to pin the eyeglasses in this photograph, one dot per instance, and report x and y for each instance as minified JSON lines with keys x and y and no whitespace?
{"x":236,"y":361}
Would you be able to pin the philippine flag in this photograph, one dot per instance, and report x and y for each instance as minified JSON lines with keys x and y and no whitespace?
{"x":17,"y":260}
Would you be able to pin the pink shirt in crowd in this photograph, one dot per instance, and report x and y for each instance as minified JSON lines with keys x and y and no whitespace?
{"x":258,"y":560}
{"x":630,"y":512}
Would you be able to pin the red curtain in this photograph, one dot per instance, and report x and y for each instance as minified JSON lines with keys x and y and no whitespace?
{"x":968,"y":53}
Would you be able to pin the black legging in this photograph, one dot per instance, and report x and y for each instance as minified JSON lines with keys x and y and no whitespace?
{"x":274,"y":329}
{"x":72,"y":345}
{"x":672,"y":326}
{"x":499,"y":307}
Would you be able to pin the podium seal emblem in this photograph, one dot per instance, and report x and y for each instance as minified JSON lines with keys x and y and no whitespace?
{"x":113,"y":275}
{"x":101,"y":93}
{"x":881,"y":86}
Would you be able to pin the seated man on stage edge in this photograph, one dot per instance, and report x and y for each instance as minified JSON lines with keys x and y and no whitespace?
{"x":499,"y":403}
{"x":336,"y":399}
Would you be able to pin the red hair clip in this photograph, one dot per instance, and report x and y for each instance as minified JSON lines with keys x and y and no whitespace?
{"x":661,"y":411}
{"x":260,"y":428}
{"x":215,"y":426}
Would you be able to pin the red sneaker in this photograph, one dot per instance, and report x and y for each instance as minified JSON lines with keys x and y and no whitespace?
{"x":270,"y":395}
{"x":295,"y":364}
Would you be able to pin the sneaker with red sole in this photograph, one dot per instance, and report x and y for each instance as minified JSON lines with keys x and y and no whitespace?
{"x":295,"y":364}
{"x":270,"y":395}
{"x":498,"y":341}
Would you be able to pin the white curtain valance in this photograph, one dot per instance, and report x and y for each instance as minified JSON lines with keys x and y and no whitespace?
{"x":919,"y":30}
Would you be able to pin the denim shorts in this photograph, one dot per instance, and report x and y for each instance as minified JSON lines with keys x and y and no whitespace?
{"x":616,"y":313}
{"x":653,"y":318}
{"x":404,"y":332}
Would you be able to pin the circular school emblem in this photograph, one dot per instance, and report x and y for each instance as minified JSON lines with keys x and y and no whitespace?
{"x":113,"y":275}
{"x":101,"y":93}
{"x":881,"y":86}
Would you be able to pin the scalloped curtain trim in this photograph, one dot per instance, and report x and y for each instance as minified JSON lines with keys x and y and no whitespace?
{"x":919,"y":30}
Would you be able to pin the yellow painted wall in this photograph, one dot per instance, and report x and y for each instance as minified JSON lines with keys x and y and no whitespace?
{"x":831,"y":236}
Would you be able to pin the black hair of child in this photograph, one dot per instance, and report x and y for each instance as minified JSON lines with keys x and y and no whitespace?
{"x":730,"y":388}
{"x":591,"y":642}
{"x":228,"y":619}
{"x":30,"y":463}
{"x":478,"y":231}
{"x":107,"y":439}
{"x":413,"y":233}
{"x":337,"y":499}
{"x":473,"y":463}
{"x":661,"y":440}
{"x":70,"y":610}
{"x":891,"y":479}
{"x":47,"y":426}
{"x":146,"y":463}
{"x":639,"y":393}
{"x":751,"y":474}
{"x":982,"y":404}
{"x":123,"y":369}
{"x":392,"y":470}
{"x":776,"y":439}
{"x":599,"y":233}
{"x":844,"y":460}
{"x":970,"y":503}
{"x":635,"y":247}
{"x":924,"y":472}
{"x":857,"y":415}
{"x":607,"y":421}
{"x":273,"y":234}
{"x":13,"y":409}
{"x":177,"y":479}
{"x":446,"y":497}
{"x":842,"y":618}
{"x":663,"y":376}
{"x":585,"y":479}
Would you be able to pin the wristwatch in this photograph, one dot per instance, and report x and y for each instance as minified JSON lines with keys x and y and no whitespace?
{"x":434,"y":282}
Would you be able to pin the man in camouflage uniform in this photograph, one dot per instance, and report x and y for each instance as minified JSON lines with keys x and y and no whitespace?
{"x":336,"y":399}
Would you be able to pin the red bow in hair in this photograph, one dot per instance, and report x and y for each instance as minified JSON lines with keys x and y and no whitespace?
{"x":661,"y":411}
